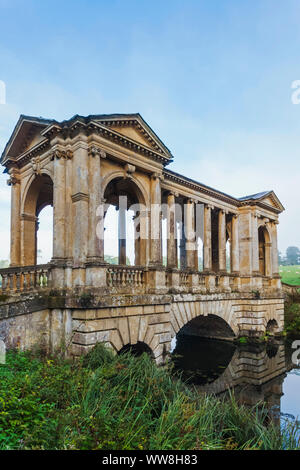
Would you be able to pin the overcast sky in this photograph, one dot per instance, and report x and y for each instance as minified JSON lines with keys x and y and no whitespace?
{"x":212,"y":78}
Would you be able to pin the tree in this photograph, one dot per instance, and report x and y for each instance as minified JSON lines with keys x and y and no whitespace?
{"x":281,"y":259}
{"x":293,"y":255}
{"x":4,"y":263}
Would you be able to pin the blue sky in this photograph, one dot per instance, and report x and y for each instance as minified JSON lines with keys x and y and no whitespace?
{"x":212,"y":77}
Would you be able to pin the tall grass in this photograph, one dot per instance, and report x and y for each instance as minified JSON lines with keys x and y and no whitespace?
{"x":120,"y":402}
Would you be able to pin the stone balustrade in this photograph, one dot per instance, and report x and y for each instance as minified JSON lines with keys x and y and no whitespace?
{"x":121,"y":276}
{"x":29,"y":278}
{"x":25,"y":278}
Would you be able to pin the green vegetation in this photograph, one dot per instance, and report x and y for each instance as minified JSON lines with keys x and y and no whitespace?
{"x":107,"y":402}
{"x":292,"y":317}
{"x":290,"y":274}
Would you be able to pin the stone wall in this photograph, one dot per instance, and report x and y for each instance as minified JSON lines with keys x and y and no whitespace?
{"x":25,"y":324}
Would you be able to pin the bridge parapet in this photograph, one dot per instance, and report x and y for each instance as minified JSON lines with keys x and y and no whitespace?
{"x":135,"y":280}
{"x":121,"y":276}
{"x":25,"y":278}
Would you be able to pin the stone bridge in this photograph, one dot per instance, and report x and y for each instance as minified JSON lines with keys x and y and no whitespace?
{"x":197,"y":254}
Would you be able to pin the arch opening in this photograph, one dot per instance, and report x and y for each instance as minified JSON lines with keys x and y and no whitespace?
{"x":272,"y":327}
{"x":124,"y":223}
{"x":264,"y":251}
{"x":45,"y":235}
{"x":36,"y":209}
{"x":136,"y":350}
{"x":210,"y":326}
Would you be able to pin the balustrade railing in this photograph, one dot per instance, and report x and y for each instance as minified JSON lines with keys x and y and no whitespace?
{"x":184,"y":279}
{"x":29,"y":278}
{"x":24,"y":278}
{"x":122,"y":276}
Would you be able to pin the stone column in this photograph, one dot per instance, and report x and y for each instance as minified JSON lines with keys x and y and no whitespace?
{"x":269,"y":251}
{"x":182,"y":246}
{"x":15,"y":218}
{"x":235,"y":255}
{"x":207,"y":253}
{"x":273,"y":230}
{"x":255,"y":245}
{"x":155,"y":221}
{"x":171,"y":233}
{"x":95,"y":242}
{"x":190,"y":233}
{"x":59,"y":200}
{"x":28,"y":240}
{"x":80,"y":199}
{"x":122,"y":229}
{"x":222,"y":241}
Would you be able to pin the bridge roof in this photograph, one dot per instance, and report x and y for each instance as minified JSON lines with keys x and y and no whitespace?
{"x":28,"y":125}
{"x":31,"y":132}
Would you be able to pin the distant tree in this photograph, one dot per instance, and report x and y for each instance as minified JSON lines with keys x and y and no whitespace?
{"x":115,"y":260}
{"x":293,"y":255}
{"x":281,"y":259}
{"x":4,"y":263}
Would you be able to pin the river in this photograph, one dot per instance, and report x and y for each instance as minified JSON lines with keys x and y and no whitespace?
{"x":258,"y":374}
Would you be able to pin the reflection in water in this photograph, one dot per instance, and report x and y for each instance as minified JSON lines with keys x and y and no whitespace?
{"x":258,"y":374}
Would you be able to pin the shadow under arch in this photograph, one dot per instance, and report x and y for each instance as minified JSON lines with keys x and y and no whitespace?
{"x":272,"y":327}
{"x":39,"y":195}
{"x":201,"y":361}
{"x":208,"y":326}
{"x":137,"y":349}
{"x":264,"y":249}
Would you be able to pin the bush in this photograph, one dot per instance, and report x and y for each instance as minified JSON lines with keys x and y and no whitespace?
{"x":119,"y":402}
{"x":292,"y":318}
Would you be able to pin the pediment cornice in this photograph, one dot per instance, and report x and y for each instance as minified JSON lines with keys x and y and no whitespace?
{"x":199,"y":187}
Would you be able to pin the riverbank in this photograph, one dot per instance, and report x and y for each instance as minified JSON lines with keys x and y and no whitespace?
{"x":292,"y":315}
{"x":119,"y":402}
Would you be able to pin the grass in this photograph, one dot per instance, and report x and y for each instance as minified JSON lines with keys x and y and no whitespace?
{"x":290,"y":275}
{"x":120,"y":402}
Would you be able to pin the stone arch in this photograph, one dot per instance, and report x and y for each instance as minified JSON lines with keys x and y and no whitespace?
{"x":264,"y":250}
{"x":114,"y":186}
{"x":144,"y":197}
{"x":184,"y":312}
{"x":136,"y":349}
{"x":30,"y":181}
{"x":272,"y":327}
{"x":38,"y":195}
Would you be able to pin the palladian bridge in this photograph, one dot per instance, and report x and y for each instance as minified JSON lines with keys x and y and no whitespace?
{"x":199,"y":254}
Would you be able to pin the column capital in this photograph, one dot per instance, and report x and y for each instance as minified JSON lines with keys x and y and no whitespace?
{"x":129,"y":170}
{"x":58,"y":154}
{"x":96,"y":151}
{"x":173,"y":193}
{"x":14,"y":177}
{"x":158,"y":176}
{"x":191,"y":200}
{"x":209,"y":206}
{"x":13,"y":180}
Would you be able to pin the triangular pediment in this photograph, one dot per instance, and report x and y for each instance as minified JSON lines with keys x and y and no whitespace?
{"x":134,"y":128}
{"x":27,"y":134}
{"x":133,"y":134}
{"x":129,"y":130}
{"x":267,"y":198}
{"x":273,"y":201}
